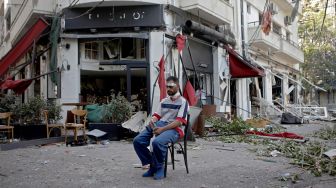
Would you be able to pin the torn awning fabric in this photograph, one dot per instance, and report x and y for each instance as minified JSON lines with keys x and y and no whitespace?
{"x":18,"y":86}
{"x":240,"y":67}
{"x":22,"y":46}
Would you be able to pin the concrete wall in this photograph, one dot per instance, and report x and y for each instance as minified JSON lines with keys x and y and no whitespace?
{"x":70,"y":86}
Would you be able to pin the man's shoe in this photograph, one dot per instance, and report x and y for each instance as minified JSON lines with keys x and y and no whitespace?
{"x":150,"y":172}
{"x":159,"y":173}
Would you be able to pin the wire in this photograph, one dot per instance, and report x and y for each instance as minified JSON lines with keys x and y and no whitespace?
{"x":86,"y":12}
{"x":73,"y":3}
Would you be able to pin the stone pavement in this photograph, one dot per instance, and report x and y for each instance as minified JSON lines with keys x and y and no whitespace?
{"x":211,"y":164}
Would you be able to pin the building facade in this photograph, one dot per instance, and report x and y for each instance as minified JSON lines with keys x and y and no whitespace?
{"x":97,"y":47}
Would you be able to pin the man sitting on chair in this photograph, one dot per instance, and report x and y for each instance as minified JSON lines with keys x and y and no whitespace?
{"x":166,"y":126}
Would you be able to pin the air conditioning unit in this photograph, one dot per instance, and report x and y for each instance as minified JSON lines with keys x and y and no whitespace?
{"x":288,"y":20}
{"x":274,"y":8}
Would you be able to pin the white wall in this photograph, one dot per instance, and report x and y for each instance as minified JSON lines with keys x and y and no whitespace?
{"x":70,"y":79}
{"x":155,"y":53}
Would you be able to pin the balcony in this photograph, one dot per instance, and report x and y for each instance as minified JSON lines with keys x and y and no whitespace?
{"x":288,"y":5}
{"x":213,"y":11}
{"x":290,"y":52}
{"x":27,"y":15}
{"x":270,"y":42}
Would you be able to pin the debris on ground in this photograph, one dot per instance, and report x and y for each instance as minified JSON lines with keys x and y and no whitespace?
{"x":326,"y":133}
{"x":331,"y":154}
{"x":236,"y":126}
{"x":288,"y":176}
{"x":309,"y":155}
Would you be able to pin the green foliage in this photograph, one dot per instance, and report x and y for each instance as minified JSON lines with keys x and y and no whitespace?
{"x":118,"y":109}
{"x":318,"y":44}
{"x":32,"y":110}
{"x":308,"y":156}
{"x":54,"y":111}
{"x":237,"y":126}
{"x":326,"y":134}
{"x":7,"y":103}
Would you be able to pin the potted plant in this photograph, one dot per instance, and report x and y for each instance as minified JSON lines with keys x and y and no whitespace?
{"x":113,"y":114}
{"x":118,"y":109}
{"x":54,"y":111}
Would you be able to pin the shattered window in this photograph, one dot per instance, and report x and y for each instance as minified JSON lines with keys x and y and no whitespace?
{"x":91,"y":50}
{"x":132,"y":48}
{"x":111,"y":49}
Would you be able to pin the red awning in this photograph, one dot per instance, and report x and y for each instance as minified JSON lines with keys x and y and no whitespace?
{"x":241,"y":68}
{"x":18,"y":86}
{"x":22,"y":46}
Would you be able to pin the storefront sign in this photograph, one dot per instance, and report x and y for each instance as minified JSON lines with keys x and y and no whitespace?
{"x":113,"y":17}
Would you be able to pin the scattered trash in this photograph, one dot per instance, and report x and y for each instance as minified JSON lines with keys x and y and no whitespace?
{"x":266,"y":160}
{"x":275,"y":153}
{"x":104,"y":142}
{"x":288,"y":176}
{"x":331,"y":154}
{"x":227,"y":149}
{"x":137,"y":165}
{"x":81,"y":155}
{"x":96,"y":133}
{"x":196,"y":148}
{"x":45,"y":162}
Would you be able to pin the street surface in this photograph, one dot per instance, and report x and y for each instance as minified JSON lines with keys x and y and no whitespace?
{"x":211,"y":164}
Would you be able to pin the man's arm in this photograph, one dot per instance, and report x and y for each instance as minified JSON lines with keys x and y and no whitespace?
{"x":180,"y":119}
{"x":172,"y":125}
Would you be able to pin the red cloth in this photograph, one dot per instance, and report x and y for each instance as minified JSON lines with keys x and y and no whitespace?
{"x":266,"y":22}
{"x":282,"y":135}
{"x":180,"y":42}
{"x":241,"y":68}
{"x":18,"y":86}
{"x":189,"y":94}
{"x":162,"y":79}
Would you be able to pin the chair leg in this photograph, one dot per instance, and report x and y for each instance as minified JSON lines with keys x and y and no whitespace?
{"x":186,"y":160}
{"x":84,"y":135}
{"x":65,"y":130}
{"x":75,"y":133}
{"x":47,"y":131}
{"x":172,"y":156}
{"x":166,"y":161}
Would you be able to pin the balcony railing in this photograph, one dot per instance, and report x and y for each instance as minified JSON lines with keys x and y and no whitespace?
{"x":291,"y":50}
{"x":256,"y":37}
{"x":213,"y":11}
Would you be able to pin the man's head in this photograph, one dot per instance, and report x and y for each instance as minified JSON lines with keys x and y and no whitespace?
{"x":172,"y":85}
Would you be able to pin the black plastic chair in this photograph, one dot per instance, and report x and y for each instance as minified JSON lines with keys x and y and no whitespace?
{"x":182,"y":144}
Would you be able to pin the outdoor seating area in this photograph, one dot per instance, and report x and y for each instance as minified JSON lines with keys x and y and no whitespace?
{"x":6,"y":128}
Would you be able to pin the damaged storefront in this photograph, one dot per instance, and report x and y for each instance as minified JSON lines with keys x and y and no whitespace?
{"x":108,"y":52}
{"x":118,"y":49}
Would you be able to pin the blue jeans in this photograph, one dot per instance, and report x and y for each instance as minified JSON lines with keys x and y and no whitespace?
{"x":159,"y":144}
